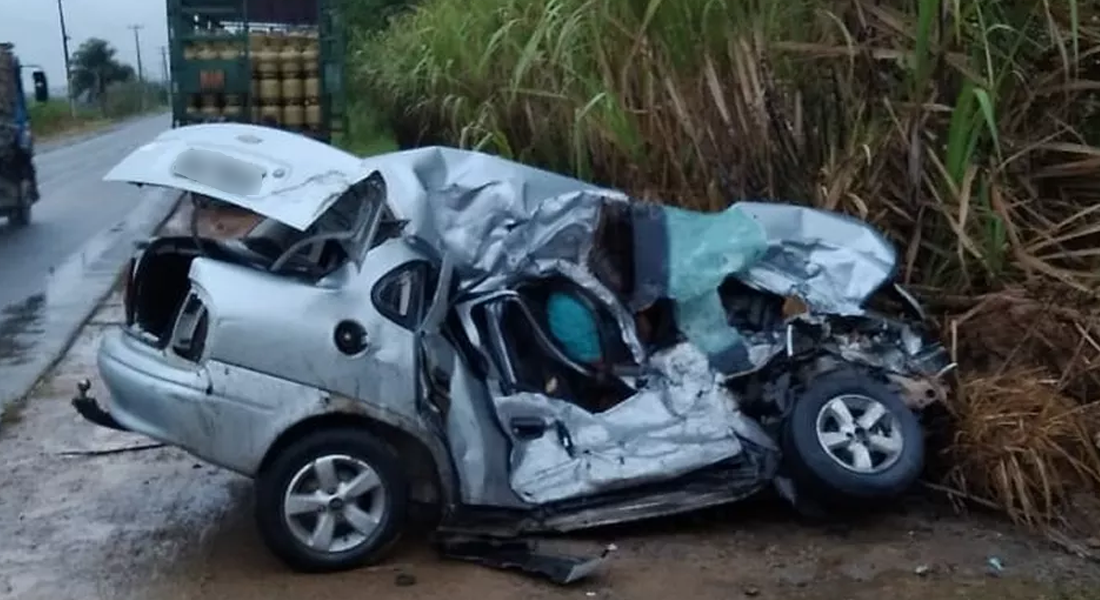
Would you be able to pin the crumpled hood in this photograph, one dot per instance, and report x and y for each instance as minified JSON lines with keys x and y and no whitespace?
{"x":832,"y":261}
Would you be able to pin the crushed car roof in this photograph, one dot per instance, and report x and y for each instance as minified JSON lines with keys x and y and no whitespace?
{"x":498,"y":219}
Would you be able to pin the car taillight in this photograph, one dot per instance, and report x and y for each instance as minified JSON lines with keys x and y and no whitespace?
{"x":128,"y":290}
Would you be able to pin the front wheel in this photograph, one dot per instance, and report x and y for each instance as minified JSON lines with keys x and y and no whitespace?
{"x":850,"y":437}
{"x":331,"y":501}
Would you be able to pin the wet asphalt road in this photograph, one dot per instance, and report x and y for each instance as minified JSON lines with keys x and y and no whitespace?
{"x":54,"y":271}
{"x":75,"y":205}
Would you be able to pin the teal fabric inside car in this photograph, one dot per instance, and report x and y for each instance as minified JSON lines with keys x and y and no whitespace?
{"x":703,"y":250}
{"x":574,"y":327}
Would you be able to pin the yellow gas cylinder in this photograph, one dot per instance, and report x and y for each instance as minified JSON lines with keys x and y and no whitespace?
{"x":265,"y":57}
{"x":310,"y":53}
{"x":313,"y":115}
{"x":293,"y":115}
{"x":256,"y":40}
{"x":292,"y":88}
{"x":206,"y":50}
{"x":232,"y":106}
{"x":257,"y":43}
{"x":311,"y":88}
{"x":269,"y":90}
{"x":290,"y":60}
{"x":271,"y":111}
{"x":231,"y":50}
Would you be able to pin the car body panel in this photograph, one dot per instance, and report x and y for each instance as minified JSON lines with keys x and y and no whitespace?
{"x":245,"y":332}
{"x":225,"y":414}
{"x":290,"y":178}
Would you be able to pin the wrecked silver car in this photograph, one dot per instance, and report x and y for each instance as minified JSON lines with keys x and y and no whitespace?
{"x":527,"y":352}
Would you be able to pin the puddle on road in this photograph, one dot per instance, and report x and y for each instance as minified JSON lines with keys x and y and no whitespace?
{"x":20,"y":323}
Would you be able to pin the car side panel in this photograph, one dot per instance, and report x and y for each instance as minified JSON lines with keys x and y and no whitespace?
{"x":286,"y":329}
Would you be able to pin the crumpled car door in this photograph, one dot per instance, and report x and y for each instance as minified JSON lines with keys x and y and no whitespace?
{"x":671,"y":416}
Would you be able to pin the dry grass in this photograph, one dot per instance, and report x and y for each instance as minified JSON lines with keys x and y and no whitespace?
{"x":965,"y":130}
{"x":1022,"y":445}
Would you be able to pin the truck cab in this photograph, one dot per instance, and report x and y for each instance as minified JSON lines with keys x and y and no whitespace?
{"x":18,"y":182}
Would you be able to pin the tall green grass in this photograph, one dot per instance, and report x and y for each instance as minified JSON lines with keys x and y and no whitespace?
{"x":699,"y":101}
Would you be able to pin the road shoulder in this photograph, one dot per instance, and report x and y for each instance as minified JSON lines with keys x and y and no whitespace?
{"x":35,"y":333}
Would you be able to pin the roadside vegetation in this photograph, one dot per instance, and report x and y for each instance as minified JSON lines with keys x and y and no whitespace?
{"x":106,"y":90}
{"x":967,"y":131}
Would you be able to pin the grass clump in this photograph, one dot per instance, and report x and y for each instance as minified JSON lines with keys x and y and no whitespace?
{"x":53,"y":118}
{"x":967,"y":131}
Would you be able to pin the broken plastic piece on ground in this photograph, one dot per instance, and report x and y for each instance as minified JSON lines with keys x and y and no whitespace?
{"x":520,"y":554}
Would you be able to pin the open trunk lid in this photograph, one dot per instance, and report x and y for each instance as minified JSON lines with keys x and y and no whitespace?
{"x":283,"y":176}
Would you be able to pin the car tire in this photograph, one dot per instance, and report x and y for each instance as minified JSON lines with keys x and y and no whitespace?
{"x":822,"y":450}
{"x":21,"y":214}
{"x":361,"y":527}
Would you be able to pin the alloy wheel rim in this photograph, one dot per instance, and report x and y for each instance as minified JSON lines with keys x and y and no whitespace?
{"x":860,"y":433}
{"x":334,"y":504}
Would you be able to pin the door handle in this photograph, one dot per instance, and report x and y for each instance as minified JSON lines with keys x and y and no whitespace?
{"x":528,"y":428}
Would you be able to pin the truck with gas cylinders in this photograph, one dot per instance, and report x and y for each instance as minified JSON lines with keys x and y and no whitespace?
{"x":278,"y":63}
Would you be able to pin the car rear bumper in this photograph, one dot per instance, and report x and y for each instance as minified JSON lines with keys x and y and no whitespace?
{"x":150,"y":393}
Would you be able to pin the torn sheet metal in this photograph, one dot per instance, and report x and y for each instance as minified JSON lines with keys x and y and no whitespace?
{"x":493,"y":214}
{"x":832,"y":261}
{"x":681,"y":420}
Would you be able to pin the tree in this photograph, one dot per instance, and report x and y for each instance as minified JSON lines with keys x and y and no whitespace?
{"x":94,"y":67}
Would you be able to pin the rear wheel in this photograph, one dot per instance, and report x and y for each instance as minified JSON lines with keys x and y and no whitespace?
{"x":21,"y":214}
{"x":850,"y":437}
{"x":333,"y":500}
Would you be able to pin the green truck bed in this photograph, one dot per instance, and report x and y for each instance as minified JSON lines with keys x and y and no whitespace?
{"x":274,"y":62}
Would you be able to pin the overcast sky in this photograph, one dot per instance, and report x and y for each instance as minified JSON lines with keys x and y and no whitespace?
{"x":32,"y":25}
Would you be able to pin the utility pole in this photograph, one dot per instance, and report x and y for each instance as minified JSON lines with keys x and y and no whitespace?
{"x":141,"y":74}
{"x":167,"y":73}
{"x":68,"y":67}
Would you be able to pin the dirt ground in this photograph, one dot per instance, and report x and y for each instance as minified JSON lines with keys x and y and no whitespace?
{"x":156,"y":524}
